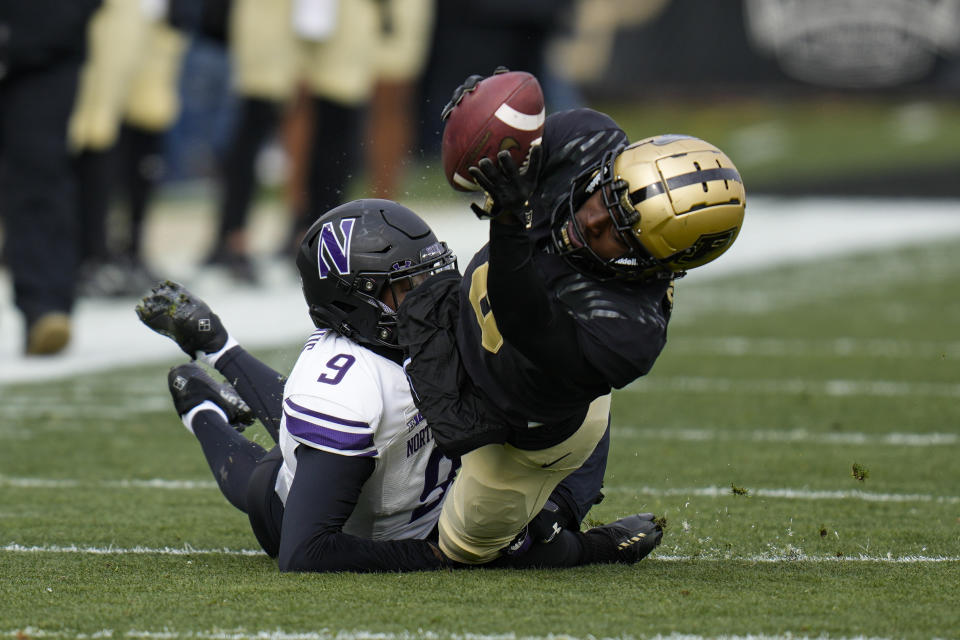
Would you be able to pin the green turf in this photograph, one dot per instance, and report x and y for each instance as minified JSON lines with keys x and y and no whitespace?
{"x":781,"y":141}
{"x":772,"y":387}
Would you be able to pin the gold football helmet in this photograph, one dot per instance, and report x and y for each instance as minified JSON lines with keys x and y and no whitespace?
{"x":677,"y":201}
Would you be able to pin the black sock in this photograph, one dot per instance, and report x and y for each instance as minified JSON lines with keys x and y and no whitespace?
{"x":565,"y":550}
{"x":260,"y":386}
{"x":231,"y":456}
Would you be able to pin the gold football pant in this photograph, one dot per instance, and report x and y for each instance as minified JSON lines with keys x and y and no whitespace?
{"x":499,"y":489}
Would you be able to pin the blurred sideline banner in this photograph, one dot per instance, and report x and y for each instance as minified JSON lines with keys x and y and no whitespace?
{"x":688,"y":45}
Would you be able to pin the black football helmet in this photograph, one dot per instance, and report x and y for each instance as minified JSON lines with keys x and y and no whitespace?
{"x":353,"y":253}
{"x":677,"y":201}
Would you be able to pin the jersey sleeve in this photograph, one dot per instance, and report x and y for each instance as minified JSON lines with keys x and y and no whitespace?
{"x":334,"y":404}
{"x":622,"y":331}
{"x":336,"y":429}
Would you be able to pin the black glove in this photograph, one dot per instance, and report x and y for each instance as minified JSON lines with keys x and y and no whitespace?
{"x":466,"y":87}
{"x":508,"y":187}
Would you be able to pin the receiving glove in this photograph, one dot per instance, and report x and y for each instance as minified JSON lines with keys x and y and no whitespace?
{"x":508,"y":186}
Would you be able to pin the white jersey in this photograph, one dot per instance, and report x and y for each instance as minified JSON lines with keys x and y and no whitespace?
{"x":345,"y":399}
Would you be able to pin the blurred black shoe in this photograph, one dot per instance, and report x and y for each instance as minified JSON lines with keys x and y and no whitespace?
{"x":115,"y":278}
{"x":238,"y":266}
{"x":101,"y":280}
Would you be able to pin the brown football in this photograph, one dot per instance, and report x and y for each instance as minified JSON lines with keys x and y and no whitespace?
{"x":504,"y":111}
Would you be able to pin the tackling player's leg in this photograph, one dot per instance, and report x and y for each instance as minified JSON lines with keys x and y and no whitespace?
{"x":625,"y":541}
{"x":208,"y":410}
{"x":173,"y":311}
{"x":190,"y":386}
{"x":501,"y":488}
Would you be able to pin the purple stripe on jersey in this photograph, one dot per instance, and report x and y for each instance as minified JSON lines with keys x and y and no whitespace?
{"x":314,"y":339}
{"x":325,"y":417}
{"x":312,"y":432}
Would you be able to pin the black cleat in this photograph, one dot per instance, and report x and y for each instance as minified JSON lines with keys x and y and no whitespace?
{"x":627,"y":540}
{"x":173,"y":311}
{"x":190,"y":385}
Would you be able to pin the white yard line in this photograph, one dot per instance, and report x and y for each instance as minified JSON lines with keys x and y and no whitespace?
{"x":788,"y":556}
{"x":186,"y":550}
{"x":847,"y":347}
{"x":835,"y":388}
{"x":800,"y":556}
{"x":360,"y":634}
{"x":799,"y":436}
{"x":156,"y":483}
{"x":784,"y":493}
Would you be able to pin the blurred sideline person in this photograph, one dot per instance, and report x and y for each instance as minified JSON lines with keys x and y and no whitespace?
{"x":42,"y":50}
{"x":128,"y":84}
{"x":356,"y":482}
{"x":583,"y":53}
{"x":405,"y":28}
{"x":513,"y":364}
{"x":275,"y":48}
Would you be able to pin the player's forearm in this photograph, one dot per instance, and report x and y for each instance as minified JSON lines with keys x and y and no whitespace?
{"x":527,"y":316}
{"x":516,"y":290}
{"x":323,"y":496}
{"x":338,"y":551}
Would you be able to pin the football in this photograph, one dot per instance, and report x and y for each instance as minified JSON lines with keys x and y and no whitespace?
{"x":504,"y":111}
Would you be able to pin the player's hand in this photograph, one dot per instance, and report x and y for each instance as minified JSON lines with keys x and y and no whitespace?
{"x":465,"y":87}
{"x":508,"y":186}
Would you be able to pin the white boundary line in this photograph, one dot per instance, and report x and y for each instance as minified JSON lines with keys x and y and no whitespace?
{"x":360,"y":634}
{"x":793,"y":555}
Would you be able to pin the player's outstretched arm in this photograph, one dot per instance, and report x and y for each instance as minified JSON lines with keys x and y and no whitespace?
{"x":324,"y":493}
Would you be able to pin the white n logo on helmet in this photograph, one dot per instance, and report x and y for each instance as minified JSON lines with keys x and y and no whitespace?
{"x":332,"y":255}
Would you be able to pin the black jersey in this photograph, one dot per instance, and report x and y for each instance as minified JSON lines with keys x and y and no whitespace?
{"x":540,"y":339}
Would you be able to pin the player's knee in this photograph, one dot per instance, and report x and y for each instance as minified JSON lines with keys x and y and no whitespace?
{"x":477,"y":533}
{"x":494,"y":515}
{"x":293,"y":558}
